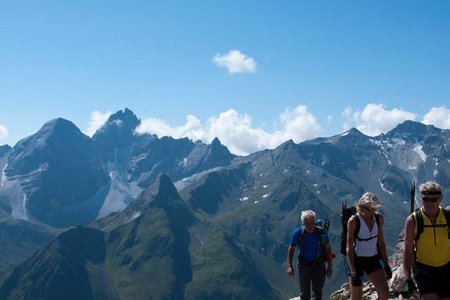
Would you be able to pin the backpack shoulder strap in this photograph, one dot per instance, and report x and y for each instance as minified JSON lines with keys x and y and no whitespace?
{"x":418,"y":219}
{"x":447,"y":219}
{"x":301,"y":240}
{"x":319,"y":240}
{"x":358,"y":225}
{"x":447,"y":216}
{"x":300,"y":235}
{"x":377,"y":219}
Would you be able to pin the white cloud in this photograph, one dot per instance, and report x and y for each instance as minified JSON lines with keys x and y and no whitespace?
{"x":438,"y":116}
{"x":374,"y":119}
{"x":236,"y":131}
{"x":3,"y":132}
{"x":97,"y":121}
{"x":329,"y":119}
{"x":235,"y":62}
{"x":191,"y":129}
{"x":298,"y":124}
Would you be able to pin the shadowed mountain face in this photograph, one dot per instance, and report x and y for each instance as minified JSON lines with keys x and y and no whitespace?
{"x":143,"y":252}
{"x":59,"y":271}
{"x":53,"y":176}
{"x":225,"y":232}
{"x":20,"y":239}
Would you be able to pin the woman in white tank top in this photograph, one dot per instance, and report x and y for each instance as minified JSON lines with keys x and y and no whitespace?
{"x":366,"y":241}
{"x":366,"y":247}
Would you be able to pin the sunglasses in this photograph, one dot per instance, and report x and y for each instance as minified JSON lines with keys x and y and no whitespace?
{"x":432,"y":200}
{"x":368,"y":208}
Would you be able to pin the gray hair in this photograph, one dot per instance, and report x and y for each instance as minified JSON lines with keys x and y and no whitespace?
{"x":307,"y":214}
{"x":430,"y":188}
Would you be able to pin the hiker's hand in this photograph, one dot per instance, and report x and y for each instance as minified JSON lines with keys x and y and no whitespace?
{"x":410,"y":286}
{"x":290,"y":270}
{"x":356,"y":281}
{"x":388,"y":271}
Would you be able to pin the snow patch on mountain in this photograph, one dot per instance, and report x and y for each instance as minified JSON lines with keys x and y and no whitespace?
{"x":119,"y":123}
{"x":135,"y":215}
{"x":12,"y":190}
{"x":180,"y":184}
{"x":436,"y":161}
{"x":375,"y":142}
{"x":120,"y":194}
{"x":398,"y":141}
{"x":383,"y":188}
{"x":185,"y":162}
{"x":3,"y":175}
{"x":419,"y":151}
{"x":19,"y":211}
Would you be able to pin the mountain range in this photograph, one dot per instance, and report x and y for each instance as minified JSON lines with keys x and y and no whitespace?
{"x":121,"y":215}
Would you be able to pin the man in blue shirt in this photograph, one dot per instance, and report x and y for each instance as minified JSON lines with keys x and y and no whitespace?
{"x":314,"y":251}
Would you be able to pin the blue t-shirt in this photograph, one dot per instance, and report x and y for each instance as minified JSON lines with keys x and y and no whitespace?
{"x":310,"y":243}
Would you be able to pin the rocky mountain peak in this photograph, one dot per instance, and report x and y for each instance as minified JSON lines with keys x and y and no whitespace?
{"x":219,"y":152}
{"x":126,"y":116}
{"x":58,"y":136}
{"x":287,"y":144}
{"x":216,"y":142}
{"x":161,"y":192}
{"x":352,"y":131}
{"x":352,"y":134}
{"x":408,"y":130}
{"x":4,"y":149}
{"x":55,"y":131}
{"x":118,"y":131}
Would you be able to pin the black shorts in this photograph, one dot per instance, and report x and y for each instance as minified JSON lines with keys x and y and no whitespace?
{"x":366,"y":264}
{"x":432,"y":279}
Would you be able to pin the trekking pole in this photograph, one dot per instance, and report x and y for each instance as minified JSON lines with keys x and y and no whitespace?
{"x":413,"y":196}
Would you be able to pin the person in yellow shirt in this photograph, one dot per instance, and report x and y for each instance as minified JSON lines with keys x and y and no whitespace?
{"x":426,"y":252}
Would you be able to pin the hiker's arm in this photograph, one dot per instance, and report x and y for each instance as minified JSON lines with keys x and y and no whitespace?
{"x":290,"y":255}
{"x":408,"y":246}
{"x":351,"y":225}
{"x":328,"y":255}
{"x":381,"y":243}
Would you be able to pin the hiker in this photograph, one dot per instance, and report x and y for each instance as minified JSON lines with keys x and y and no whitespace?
{"x":365,"y":247}
{"x":314,"y":250}
{"x":428,"y":255}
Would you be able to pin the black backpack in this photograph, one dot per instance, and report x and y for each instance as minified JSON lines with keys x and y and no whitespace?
{"x":346,"y":214}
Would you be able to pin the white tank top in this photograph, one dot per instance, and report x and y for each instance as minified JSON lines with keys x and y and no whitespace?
{"x":366,"y":248}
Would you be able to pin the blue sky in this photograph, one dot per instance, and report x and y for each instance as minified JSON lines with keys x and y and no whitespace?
{"x":253,"y":73}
